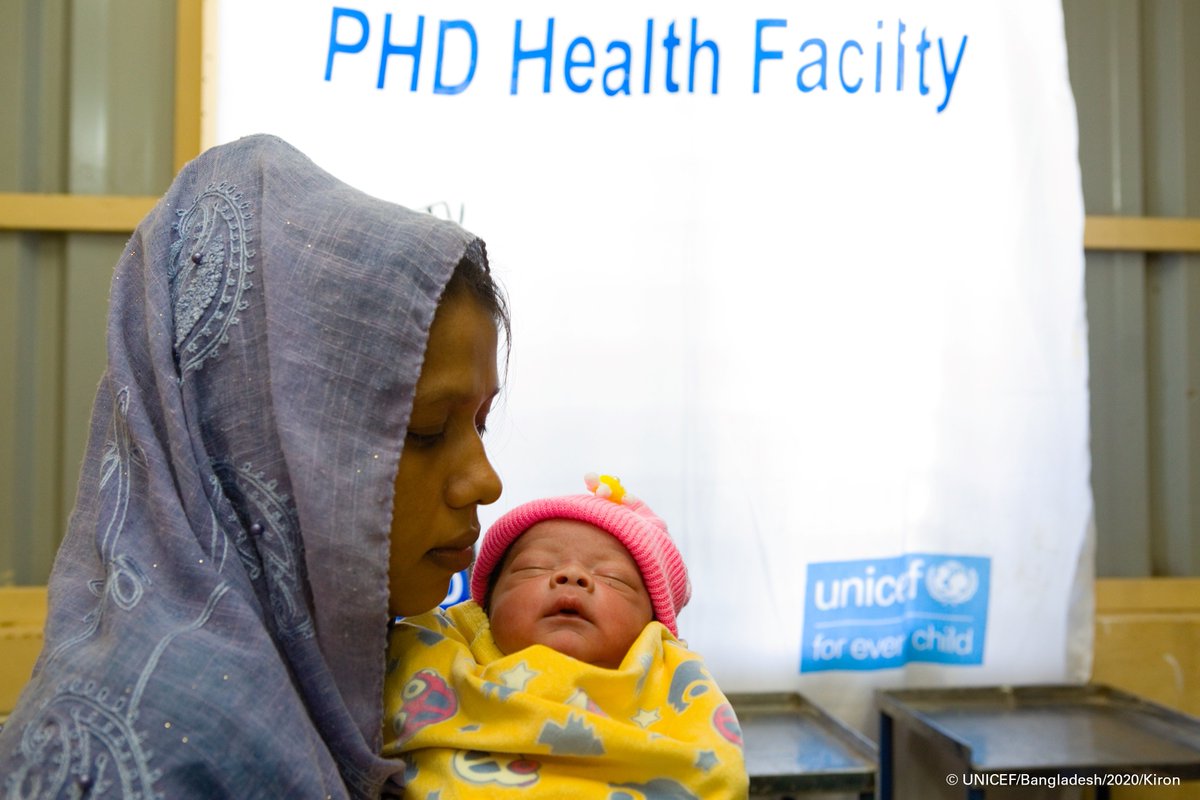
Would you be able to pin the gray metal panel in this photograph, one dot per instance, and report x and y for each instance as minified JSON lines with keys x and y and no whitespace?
{"x":39,"y":412}
{"x":122,"y":57}
{"x":1174,"y":323}
{"x":32,"y":80}
{"x":1105,"y":61}
{"x":1172,"y":152}
{"x":1137,"y":88}
{"x":91,"y":83}
{"x":1171,"y":110}
{"x":32,"y":42}
{"x":1118,"y":377}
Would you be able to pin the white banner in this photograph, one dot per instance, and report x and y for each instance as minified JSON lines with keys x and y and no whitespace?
{"x":807,"y":276}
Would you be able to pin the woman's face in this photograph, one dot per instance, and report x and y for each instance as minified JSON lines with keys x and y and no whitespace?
{"x":444,"y":473}
{"x":572,"y":587}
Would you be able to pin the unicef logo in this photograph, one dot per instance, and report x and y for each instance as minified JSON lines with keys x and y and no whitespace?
{"x":952,"y":583}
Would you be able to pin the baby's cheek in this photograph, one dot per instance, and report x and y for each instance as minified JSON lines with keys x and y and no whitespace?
{"x":508,"y":627}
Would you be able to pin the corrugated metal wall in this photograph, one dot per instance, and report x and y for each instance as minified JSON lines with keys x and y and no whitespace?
{"x":88,"y":98}
{"x":1135,"y":69}
{"x":87,"y":87}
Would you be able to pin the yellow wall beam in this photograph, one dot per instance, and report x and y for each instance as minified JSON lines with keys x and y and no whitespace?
{"x":72,"y":212}
{"x":61,"y":212}
{"x":1142,"y":234}
{"x":1142,"y":595}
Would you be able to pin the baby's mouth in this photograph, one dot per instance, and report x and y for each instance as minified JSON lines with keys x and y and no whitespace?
{"x":567,"y":607}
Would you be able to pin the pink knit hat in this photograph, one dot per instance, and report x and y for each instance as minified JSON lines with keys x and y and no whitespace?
{"x":609,"y":508}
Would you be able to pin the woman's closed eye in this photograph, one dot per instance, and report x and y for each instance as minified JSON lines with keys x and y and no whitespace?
{"x":426,"y":438}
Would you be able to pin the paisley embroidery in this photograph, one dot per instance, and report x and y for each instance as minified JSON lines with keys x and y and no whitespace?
{"x":124,"y":584}
{"x":92,"y":741}
{"x":120,"y":455}
{"x":124,"y":581}
{"x":218,"y":542}
{"x":91,"y":736}
{"x":277,"y":548}
{"x":241,"y":540}
{"x":209,"y":267}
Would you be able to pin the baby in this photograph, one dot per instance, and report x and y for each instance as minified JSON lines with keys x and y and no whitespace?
{"x":563,"y":676}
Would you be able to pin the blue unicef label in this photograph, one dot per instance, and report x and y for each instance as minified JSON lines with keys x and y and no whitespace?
{"x":881,"y":613}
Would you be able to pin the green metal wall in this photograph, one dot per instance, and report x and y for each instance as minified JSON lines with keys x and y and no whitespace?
{"x":1137,"y":89}
{"x":87,"y":88}
{"x":88,"y":92}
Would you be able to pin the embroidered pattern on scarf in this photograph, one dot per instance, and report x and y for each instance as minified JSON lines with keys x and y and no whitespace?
{"x":209,"y":272}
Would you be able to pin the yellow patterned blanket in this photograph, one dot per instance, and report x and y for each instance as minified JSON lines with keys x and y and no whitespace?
{"x":473,"y":722}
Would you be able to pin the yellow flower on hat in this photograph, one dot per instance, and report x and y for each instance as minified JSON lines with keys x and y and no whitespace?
{"x":606,"y":486}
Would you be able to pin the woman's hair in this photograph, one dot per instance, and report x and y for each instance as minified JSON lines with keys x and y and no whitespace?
{"x":477,"y":280}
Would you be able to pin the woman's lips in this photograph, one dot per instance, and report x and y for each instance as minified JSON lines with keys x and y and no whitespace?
{"x":452,"y":559}
{"x":457,"y":555}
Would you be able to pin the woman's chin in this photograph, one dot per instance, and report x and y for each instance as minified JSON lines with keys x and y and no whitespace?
{"x":411,"y":603}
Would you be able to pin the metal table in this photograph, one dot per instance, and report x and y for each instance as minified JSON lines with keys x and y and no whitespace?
{"x":1069,"y":731}
{"x":794,"y":747}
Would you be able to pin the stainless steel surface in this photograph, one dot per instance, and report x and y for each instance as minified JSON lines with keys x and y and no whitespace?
{"x":793,"y":746}
{"x":1052,"y":729}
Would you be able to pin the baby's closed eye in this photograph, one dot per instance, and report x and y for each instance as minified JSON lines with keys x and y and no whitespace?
{"x":619,"y":579}
{"x":530,"y":569}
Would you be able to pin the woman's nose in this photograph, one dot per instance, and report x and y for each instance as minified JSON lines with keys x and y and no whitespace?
{"x":477,"y":482}
{"x":571,"y":575}
{"x":489,"y":485}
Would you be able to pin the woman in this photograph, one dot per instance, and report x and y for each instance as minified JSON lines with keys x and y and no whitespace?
{"x":246,"y":522}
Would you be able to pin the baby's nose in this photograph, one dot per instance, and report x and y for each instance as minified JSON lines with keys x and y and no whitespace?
{"x":572,"y":575}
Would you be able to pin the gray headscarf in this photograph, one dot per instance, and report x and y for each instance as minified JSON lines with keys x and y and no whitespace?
{"x":218,"y":609}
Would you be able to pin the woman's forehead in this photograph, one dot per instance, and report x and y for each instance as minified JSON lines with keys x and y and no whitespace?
{"x":460,"y":357}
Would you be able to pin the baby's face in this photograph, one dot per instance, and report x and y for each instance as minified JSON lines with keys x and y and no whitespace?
{"x":572,"y":587}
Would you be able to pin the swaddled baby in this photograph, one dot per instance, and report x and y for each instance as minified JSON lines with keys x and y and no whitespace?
{"x":563,"y":676}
